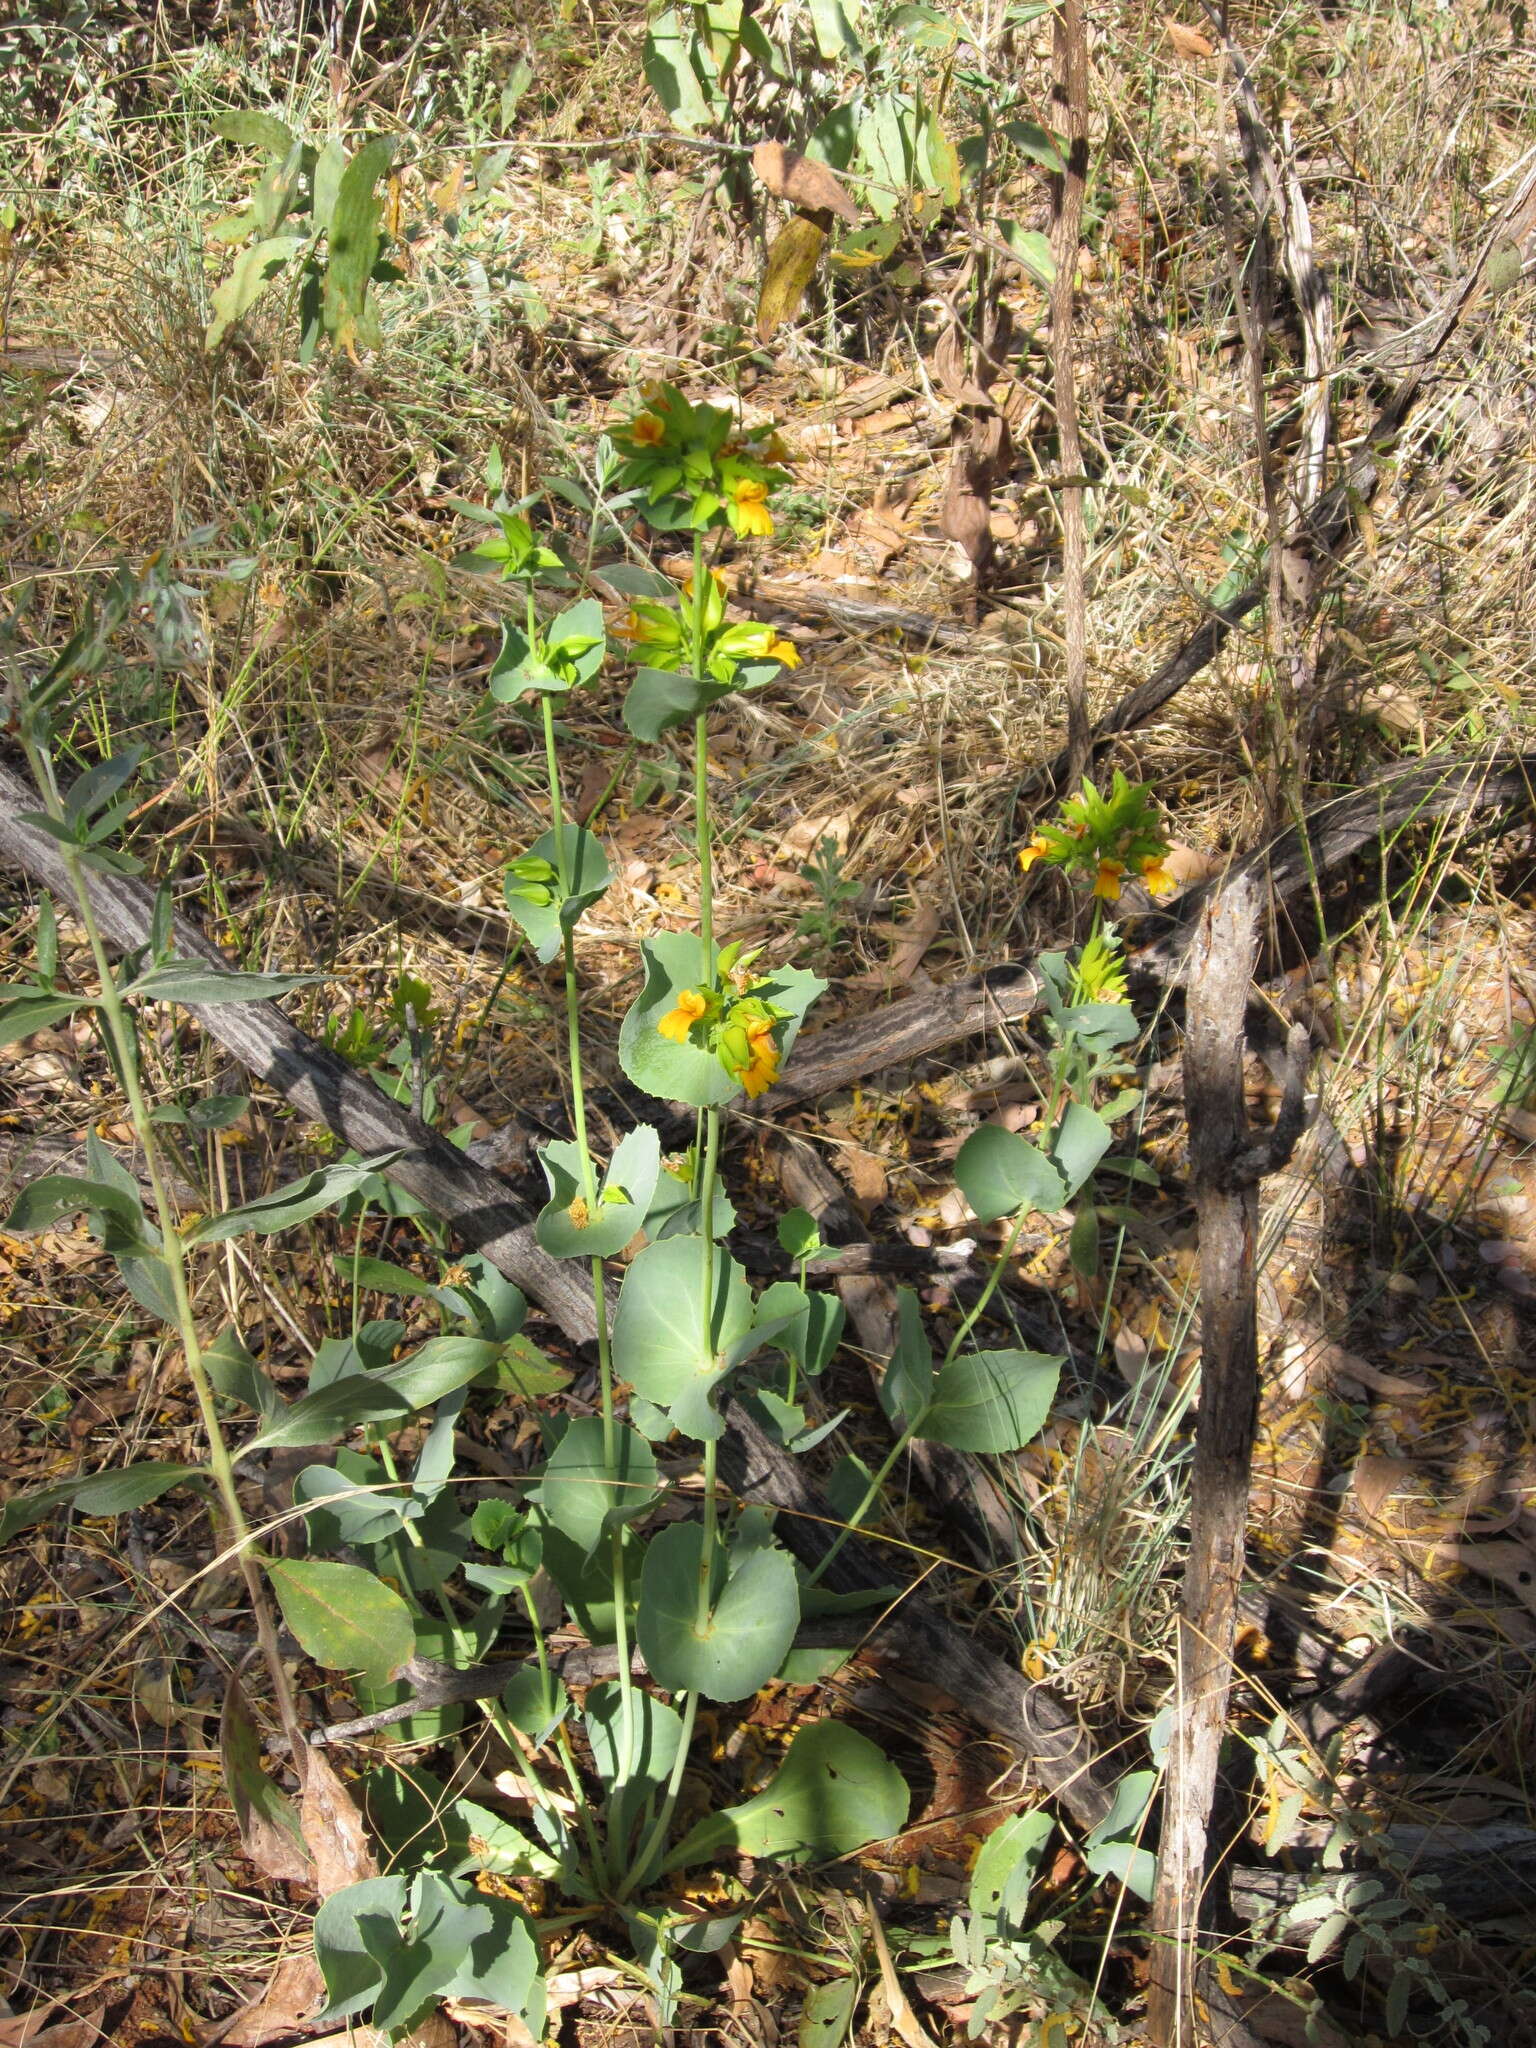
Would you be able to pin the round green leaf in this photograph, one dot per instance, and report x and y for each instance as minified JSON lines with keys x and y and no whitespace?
{"x":992,"y":1400}
{"x":352,"y":1977}
{"x":834,"y":1793}
{"x":1000,"y":1173}
{"x":688,"y":1073}
{"x":580,"y":1497}
{"x":665,"y":1345}
{"x":660,"y":698}
{"x":566,"y":1229}
{"x":750,"y":1620}
{"x":345,"y":1618}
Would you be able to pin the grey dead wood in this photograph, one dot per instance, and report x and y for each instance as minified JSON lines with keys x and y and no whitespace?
{"x":1226,"y":1164}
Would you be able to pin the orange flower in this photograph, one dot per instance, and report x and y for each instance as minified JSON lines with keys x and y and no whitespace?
{"x":1107,"y":882}
{"x":646,"y":431}
{"x":750,"y":497}
{"x":1037,"y":849}
{"x":1155,"y":876}
{"x":677,"y":1023}
{"x":760,"y":1075}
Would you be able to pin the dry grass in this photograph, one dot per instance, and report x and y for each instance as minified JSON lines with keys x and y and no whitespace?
{"x":337,"y":795}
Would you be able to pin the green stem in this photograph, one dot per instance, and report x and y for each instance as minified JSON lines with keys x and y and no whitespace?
{"x":650,"y":1848}
{"x":124,"y":1042}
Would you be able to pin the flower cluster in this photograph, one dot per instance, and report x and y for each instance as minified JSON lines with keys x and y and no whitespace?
{"x":665,"y":636}
{"x":733,"y":1021}
{"x":692,"y":471}
{"x":1106,"y":838}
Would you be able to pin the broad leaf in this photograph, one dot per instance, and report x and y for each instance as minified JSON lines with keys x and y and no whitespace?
{"x":254,"y":270}
{"x":906,"y":1387}
{"x":1000,"y":1173}
{"x":834,"y":1793}
{"x":537,"y":907}
{"x":237,"y":1376}
{"x":255,"y":130}
{"x":579,"y":1495}
{"x":991,"y":1400}
{"x":661,"y":698}
{"x":1080,"y":1142}
{"x":665,"y":1344}
{"x":567,"y":1228}
{"x":345,"y":1925}
{"x":690,"y":1073}
{"x":1005,"y":1871}
{"x":354,"y":1514}
{"x":66,"y":1194}
{"x":346,"y":1618}
{"x":751,"y":1614}
{"x":440,"y":1366}
{"x":813,"y":1328}
{"x":657,"y":1731}
{"x":536,"y":1702}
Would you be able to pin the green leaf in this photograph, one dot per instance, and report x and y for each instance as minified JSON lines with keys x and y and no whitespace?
{"x":194,"y":981}
{"x":827,"y":2013}
{"x":22,"y":1015}
{"x":1037,"y":143}
{"x":1111,"y":1849}
{"x":751,"y":1615}
{"x":689,"y":1073}
{"x":581,"y":1497}
{"x":798,"y":1234}
{"x":325,"y":183}
{"x":1080,"y":1142}
{"x":440,"y":1366}
{"x":527,"y":1373}
{"x":885,"y":144}
{"x":252,"y":129}
{"x":665,"y":1344}
{"x":375,"y":1907}
{"x":926,"y":28}
{"x":346,"y":1618}
{"x":566,"y":1229}
{"x":1005,"y":1871}
{"x":352,"y":242}
{"x":906,"y":1387}
{"x":237,"y":1376}
{"x":536,"y":1703}
{"x":135,"y":1486}
{"x":254,"y":270}
{"x":991,"y":1400}
{"x":658,"y":1735}
{"x":547,"y":922}
{"x":66,"y":1194}
{"x":670,"y":72}
{"x":211,"y":1113}
{"x":295,"y":1203}
{"x":835,"y":1792}
{"x":661,"y":698}
{"x":811,"y":1324}
{"x":1032,"y":249}
{"x":1000,"y":1173}
{"x":940,"y":163}
{"x":352,"y":1513}
{"x":330,"y":1412}
{"x":834,"y":33}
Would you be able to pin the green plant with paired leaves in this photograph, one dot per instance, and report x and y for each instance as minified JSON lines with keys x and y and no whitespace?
{"x":314,"y":216}
{"x":713,"y":1600}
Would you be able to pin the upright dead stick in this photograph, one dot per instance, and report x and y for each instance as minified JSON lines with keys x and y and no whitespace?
{"x":1226,"y":1165}
{"x":1070,"y":46}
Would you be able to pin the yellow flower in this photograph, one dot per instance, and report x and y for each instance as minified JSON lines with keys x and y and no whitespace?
{"x":1037,"y":849}
{"x":1107,"y":883}
{"x":646,"y":431}
{"x":1155,"y":876}
{"x":677,"y":1023}
{"x":758,"y":1077}
{"x":750,"y":496}
{"x":785,"y":651}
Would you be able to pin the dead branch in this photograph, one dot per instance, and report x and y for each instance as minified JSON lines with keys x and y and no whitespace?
{"x":1225,"y":1166}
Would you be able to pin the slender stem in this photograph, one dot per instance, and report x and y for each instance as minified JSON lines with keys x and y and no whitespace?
{"x":121,"y":1034}
{"x":640,"y":1869}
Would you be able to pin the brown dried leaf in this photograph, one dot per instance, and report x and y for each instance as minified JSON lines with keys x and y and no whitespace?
{"x":333,"y":1828}
{"x":790,"y":175}
{"x":31,"y":2030}
{"x":266,"y":1817}
{"x":1188,"y":43}
{"x":1375,"y":1479}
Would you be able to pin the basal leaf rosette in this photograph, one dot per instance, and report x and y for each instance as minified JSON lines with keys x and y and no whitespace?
{"x":694,"y":469}
{"x":703,"y":1039}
